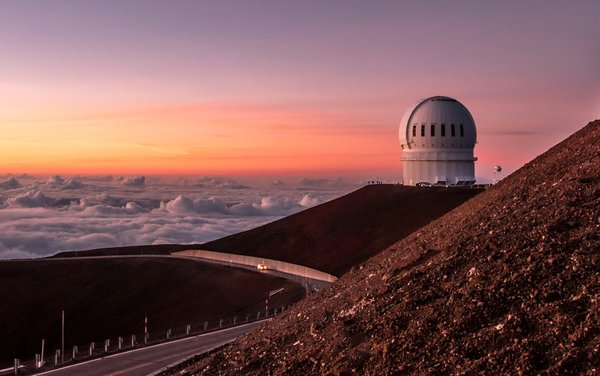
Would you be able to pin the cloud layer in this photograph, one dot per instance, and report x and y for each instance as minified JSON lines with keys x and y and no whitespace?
{"x":58,"y":214}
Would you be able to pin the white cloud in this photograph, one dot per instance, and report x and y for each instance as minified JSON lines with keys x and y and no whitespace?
{"x":105,"y":179}
{"x":30,"y":199}
{"x":72,"y":184}
{"x":180,"y":205}
{"x":309,"y":200}
{"x":40,"y":219}
{"x":220,"y":182}
{"x":11,"y":183}
{"x":55,"y":180}
{"x":268,"y":206}
{"x":134,"y":181}
{"x":106,"y":199}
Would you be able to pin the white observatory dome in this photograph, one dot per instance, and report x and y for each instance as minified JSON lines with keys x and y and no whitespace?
{"x":438,"y":136}
{"x":438,"y":122}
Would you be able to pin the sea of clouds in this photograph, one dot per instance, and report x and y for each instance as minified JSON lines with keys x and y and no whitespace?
{"x":40,"y":216}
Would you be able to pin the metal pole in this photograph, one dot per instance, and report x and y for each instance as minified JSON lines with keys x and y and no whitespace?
{"x":62,"y":347}
{"x":42,"y":355}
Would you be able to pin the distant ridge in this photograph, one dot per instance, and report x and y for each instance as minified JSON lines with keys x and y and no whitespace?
{"x":342,"y":233}
{"x":507,"y":283}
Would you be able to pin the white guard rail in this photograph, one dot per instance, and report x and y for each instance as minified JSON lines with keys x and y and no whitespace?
{"x":253,"y":261}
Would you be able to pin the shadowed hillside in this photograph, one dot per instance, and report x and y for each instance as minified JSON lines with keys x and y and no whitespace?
{"x":331,"y":237}
{"x":335,"y":236}
{"x":107,"y":298}
{"x":507,"y":283}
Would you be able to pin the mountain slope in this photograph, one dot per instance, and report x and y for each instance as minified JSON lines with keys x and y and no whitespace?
{"x":335,"y":236}
{"x":507,"y":283}
{"x":107,"y":298}
{"x":332,"y":237}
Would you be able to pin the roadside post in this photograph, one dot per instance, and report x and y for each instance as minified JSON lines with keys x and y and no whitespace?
{"x":145,"y":327}
{"x":62,"y":338}
{"x":42,"y":355}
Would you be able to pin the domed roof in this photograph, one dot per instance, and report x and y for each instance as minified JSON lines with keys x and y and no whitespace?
{"x":437,"y":122}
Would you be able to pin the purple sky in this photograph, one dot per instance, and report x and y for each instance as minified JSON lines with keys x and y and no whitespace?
{"x":529,"y":71}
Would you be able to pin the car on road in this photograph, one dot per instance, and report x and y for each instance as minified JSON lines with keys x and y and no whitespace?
{"x":262,"y":267}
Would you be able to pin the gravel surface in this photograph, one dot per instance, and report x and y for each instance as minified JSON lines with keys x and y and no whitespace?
{"x":507,"y":283}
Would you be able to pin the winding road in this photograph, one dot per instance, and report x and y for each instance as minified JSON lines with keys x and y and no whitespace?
{"x":148,"y":360}
{"x":151,"y":359}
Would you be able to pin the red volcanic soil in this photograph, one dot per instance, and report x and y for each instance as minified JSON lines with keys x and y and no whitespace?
{"x":507,"y":283}
{"x":107,"y":298}
{"x":335,"y":236}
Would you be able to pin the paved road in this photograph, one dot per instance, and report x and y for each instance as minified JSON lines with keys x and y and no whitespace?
{"x":309,"y":284}
{"x":150,"y":359}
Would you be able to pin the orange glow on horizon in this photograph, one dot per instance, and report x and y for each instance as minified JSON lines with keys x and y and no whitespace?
{"x":70,"y":137}
{"x":190,"y":139}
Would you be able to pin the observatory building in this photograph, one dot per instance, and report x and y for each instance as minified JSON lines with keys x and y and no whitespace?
{"x":438,"y":136}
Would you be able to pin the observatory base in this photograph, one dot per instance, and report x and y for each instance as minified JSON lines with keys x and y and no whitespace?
{"x":443,"y":172}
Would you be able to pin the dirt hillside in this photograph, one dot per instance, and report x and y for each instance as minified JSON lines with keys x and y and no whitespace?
{"x":344,"y":232}
{"x":107,"y":298}
{"x":507,"y":283}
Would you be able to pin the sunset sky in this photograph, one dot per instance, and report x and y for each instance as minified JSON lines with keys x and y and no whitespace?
{"x":283,"y":87}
